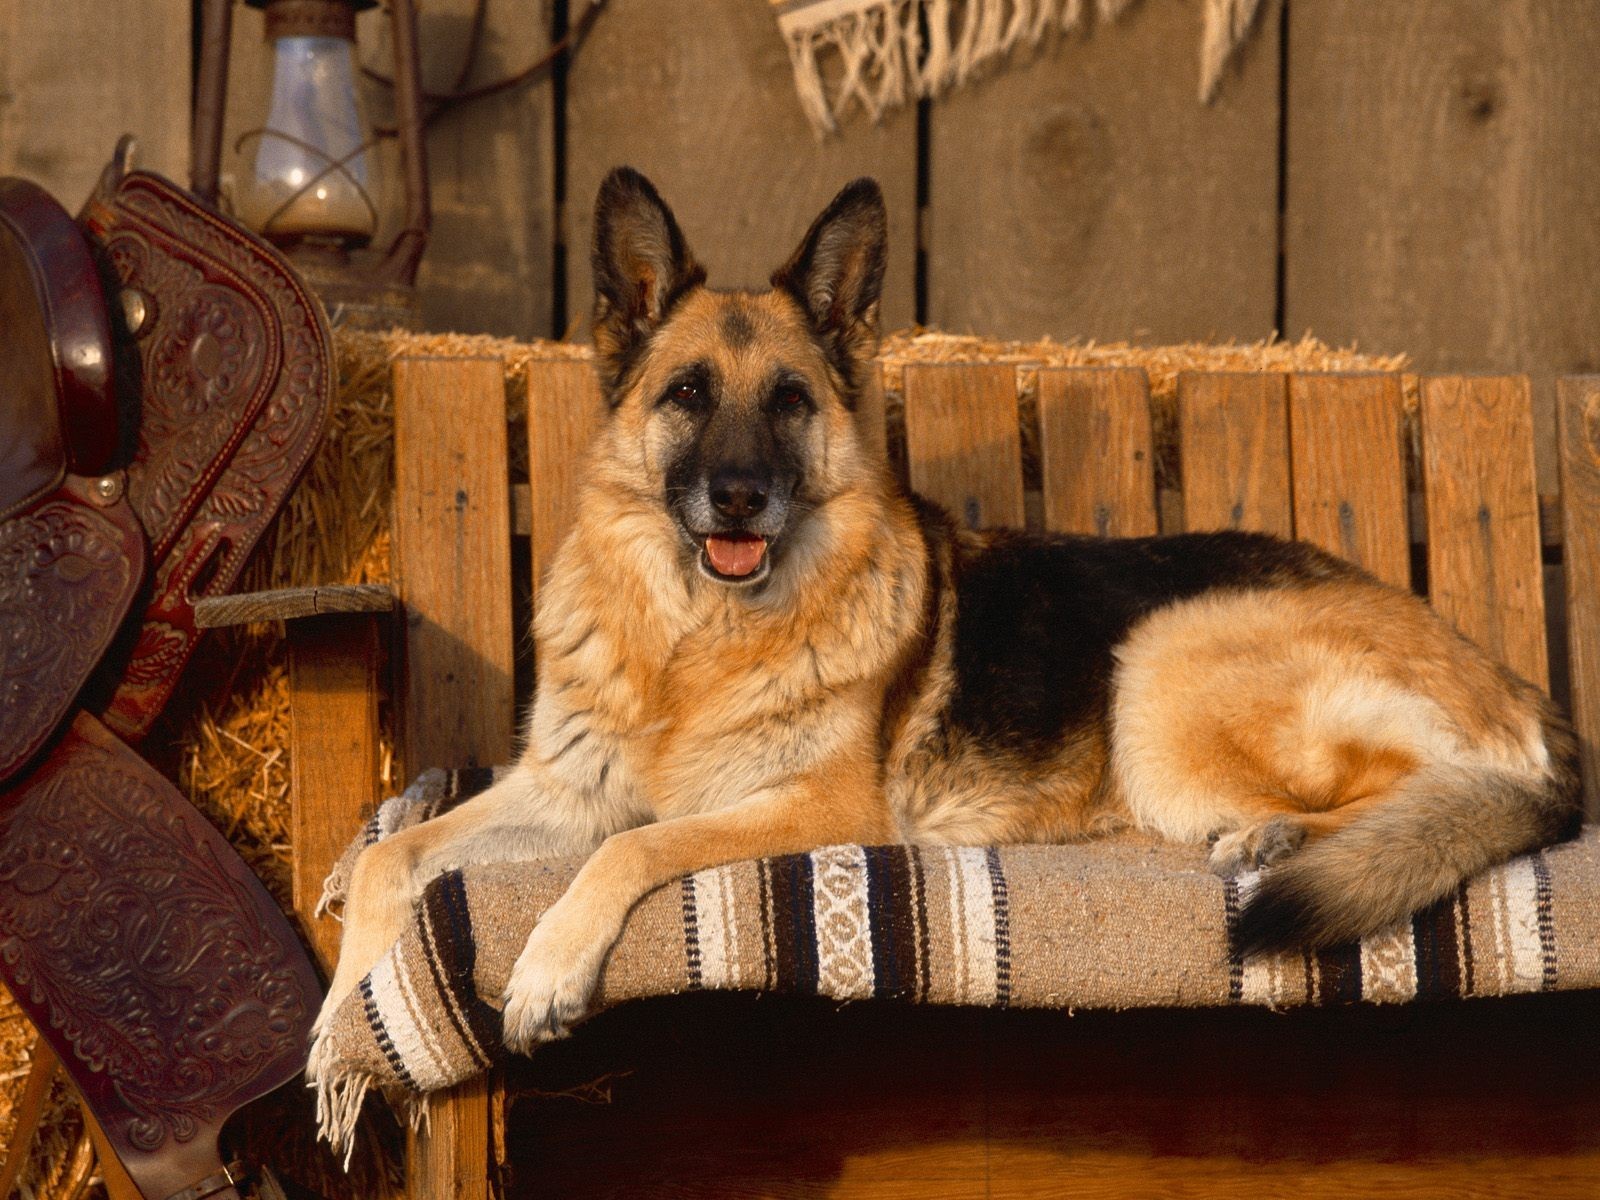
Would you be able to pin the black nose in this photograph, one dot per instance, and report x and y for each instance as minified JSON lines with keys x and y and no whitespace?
{"x":737,"y":493}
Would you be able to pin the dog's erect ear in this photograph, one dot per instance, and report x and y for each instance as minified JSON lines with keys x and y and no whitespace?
{"x":837,"y":273}
{"x":641,"y":266}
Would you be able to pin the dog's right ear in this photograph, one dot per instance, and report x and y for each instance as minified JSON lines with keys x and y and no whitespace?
{"x":641,"y":266}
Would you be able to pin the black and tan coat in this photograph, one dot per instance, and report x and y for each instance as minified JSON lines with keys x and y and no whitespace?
{"x":753,"y":642}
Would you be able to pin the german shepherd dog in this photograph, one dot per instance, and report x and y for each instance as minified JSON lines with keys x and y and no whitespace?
{"x":754,"y":642}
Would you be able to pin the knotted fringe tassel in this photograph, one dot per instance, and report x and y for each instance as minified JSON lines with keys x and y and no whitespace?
{"x":340,"y":1095}
{"x":877,"y":54}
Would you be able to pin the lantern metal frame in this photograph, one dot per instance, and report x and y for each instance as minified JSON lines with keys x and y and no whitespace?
{"x":397,"y":269}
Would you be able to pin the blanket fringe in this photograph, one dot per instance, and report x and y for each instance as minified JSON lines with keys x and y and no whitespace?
{"x":340,"y":1093}
{"x":877,"y":54}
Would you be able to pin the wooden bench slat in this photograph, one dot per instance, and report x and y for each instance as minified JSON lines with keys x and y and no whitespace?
{"x":1484,"y":568}
{"x":1095,"y":451}
{"x":333,"y":755}
{"x":963,"y":443}
{"x":1234,"y":446}
{"x":1347,"y":449}
{"x":565,"y":409}
{"x":288,"y":604}
{"x":452,"y":551}
{"x":1578,"y":407}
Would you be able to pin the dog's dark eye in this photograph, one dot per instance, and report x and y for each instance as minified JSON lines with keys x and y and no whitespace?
{"x":686,"y":394}
{"x":789,"y":400}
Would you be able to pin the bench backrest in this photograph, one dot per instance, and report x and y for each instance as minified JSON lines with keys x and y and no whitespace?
{"x":1442,"y":498}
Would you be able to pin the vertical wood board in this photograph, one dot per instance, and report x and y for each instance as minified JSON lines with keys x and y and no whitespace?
{"x":77,"y":74}
{"x":452,"y":548}
{"x":1484,"y":572}
{"x":1442,"y":163}
{"x":963,"y":442}
{"x":1081,"y":191}
{"x":1348,"y":456}
{"x":1234,"y":449}
{"x":1096,"y":455}
{"x":333,"y":754}
{"x":1580,"y":524}
{"x":699,"y":95}
{"x":565,"y":409}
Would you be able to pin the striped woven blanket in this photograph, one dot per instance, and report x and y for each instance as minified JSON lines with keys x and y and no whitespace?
{"x":1112,"y":924}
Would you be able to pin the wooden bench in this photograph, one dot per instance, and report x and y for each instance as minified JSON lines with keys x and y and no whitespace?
{"x":1443,"y":500}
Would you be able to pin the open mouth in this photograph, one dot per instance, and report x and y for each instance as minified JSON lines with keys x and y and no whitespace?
{"x":734,"y":556}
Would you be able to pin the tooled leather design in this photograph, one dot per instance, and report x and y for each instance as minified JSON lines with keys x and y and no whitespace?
{"x":207,"y":352}
{"x":66,"y":579}
{"x":201,"y":375}
{"x":169,"y":984}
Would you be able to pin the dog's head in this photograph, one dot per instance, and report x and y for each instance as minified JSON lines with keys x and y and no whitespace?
{"x":737,"y":407}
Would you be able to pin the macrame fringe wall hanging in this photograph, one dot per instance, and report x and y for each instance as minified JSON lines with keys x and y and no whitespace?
{"x":892,"y":51}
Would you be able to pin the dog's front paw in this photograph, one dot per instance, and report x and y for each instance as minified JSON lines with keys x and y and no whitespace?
{"x":550,"y":986}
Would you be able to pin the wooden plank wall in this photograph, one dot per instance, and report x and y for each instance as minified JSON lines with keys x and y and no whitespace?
{"x":1414,"y":177}
{"x":77,"y":74}
{"x":1087,"y":194}
{"x":706,"y":109}
{"x":1442,"y":163}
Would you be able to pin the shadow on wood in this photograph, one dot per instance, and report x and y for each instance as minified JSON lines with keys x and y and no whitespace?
{"x":737,"y":1096}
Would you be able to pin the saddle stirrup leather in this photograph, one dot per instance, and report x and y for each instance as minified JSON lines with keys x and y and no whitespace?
{"x":145,"y":446}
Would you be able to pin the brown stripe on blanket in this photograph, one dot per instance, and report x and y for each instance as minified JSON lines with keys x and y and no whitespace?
{"x":691,"y":934}
{"x":1230,"y":915}
{"x":1339,"y":974}
{"x":450,"y":948}
{"x":1002,"y":929}
{"x":1547,"y":930}
{"x":1437,"y":950}
{"x":892,"y":910}
{"x":919,"y":886}
{"x":793,"y":921}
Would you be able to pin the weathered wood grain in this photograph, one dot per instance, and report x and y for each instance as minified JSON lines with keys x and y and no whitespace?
{"x":697,"y":94}
{"x":1085,"y":193}
{"x":1234,"y":447}
{"x":1095,"y":451}
{"x":1442,"y":165}
{"x":1580,"y":489}
{"x":335,"y":780}
{"x":77,"y":74}
{"x":452,"y":551}
{"x":1347,"y":448}
{"x":284,"y":604}
{"x":962,"y":441}
{"x":564,"y":410}
{"x":1484,"y":571}
{"x":491,"y":164}
{"x":452,"y":548}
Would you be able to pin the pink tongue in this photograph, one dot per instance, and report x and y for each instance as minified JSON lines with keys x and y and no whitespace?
{"x":736,"y":555}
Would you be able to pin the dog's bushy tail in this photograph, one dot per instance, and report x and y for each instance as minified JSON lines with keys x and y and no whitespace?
{"x":1444,"y":825}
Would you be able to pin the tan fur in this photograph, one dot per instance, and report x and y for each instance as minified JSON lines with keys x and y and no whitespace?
{"x":680,"y":723}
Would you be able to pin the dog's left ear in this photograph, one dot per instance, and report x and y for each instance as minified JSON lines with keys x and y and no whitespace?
{"x":837,"y":274}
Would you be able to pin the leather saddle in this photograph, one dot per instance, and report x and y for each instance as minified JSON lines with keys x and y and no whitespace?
{"x":164,"y":379}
